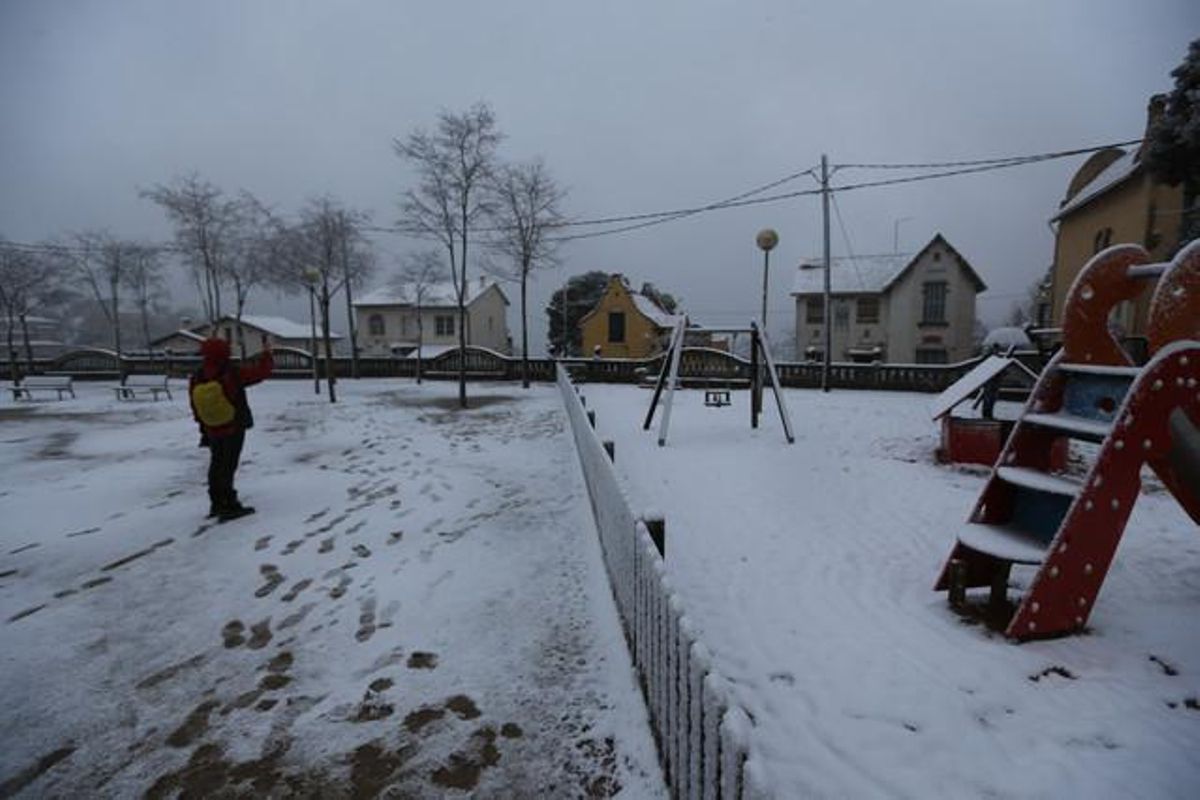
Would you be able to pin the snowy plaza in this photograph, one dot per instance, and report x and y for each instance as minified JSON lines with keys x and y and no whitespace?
{"x":420,"y":605}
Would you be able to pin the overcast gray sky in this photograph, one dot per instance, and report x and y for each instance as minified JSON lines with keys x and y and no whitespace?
{"x":635,"y":106}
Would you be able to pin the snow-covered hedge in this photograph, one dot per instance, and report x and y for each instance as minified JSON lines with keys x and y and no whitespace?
{"x":703,"y":738}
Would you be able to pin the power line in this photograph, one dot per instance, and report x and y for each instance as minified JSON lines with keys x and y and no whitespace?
{"x":982,"y":161}
{"x":946,"y":169}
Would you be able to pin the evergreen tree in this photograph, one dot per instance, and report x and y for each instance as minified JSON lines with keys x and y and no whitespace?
{"x":1172,"y":152}
{"x":583,"y":292}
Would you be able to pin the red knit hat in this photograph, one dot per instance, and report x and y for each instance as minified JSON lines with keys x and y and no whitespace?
{"x":215,"y":350}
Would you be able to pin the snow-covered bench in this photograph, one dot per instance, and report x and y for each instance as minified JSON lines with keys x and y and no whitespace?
{"x":133,"y":385}
{"x":42,"y":383}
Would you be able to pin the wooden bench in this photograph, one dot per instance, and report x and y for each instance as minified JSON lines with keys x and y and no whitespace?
{"x":133,"y":385}
{"x":43,"y":383}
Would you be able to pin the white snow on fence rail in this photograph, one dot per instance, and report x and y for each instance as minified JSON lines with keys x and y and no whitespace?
{"x":703,"y":737}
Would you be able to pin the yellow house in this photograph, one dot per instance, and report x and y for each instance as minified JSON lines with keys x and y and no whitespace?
{"x":625,"y":324}
{"x":1112,"y":199}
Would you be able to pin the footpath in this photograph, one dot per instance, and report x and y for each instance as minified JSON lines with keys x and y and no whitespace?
{"x":418,"y":608}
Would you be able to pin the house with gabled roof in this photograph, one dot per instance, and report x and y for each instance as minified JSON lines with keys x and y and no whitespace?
{"x":283,"y":332}
{"x":390,"y":319}
{"x":625,"y":323}
{"x":907,"y":310}
{"x":1112,"y":199}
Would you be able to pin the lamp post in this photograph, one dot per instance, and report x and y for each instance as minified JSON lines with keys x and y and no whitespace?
{"x":311,"y":276}
{"x":766,"y":241}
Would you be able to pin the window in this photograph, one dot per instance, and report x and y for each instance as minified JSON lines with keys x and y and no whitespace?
{"x":931,"y":355}
{"x":443,"y":325}
{"x":868,"y":310}
{"x":1102,"y":240}
{"x":841,"y":314}
{"x":616,"y":326}
{"x":933,"y":303}
{"x":375,"y":325}
{"x":815,"y":310}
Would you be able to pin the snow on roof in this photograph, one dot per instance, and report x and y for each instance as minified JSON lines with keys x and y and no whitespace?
{"x":1006,"y":337}
{"x":652,"y":311}
{"x":435,"y":295}
{"x":871,"y":274}
{"x":276,"y":326}
{"x":1110,"y":176}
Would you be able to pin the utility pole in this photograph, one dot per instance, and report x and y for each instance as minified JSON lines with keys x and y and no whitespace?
{"x":828,"y":348}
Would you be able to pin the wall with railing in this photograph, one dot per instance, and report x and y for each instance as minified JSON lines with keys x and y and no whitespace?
{"x":703,"y":736}
{"x":697,"y":364}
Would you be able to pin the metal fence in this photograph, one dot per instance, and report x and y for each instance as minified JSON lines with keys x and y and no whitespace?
{"x":703,"y":736}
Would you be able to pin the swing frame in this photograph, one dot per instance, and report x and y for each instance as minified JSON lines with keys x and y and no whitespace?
{"x":668,"y":377}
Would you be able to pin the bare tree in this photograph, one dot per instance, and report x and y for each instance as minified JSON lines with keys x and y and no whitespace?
{"x":205,"y":228}
{"x":18,"y":278}
{"x":102,"y":263}
{"x":322,"y":254}
{"x":421,"y":271}
{"x":252,"y":250}
{"x":357,"y":266}
{"x":454,"y":164}
{"x":526,"y":213}
{"x":144,"y":279}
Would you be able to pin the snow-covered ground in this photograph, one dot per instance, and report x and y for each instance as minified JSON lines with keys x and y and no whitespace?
{"x":418,"y":604}
{"x":808,"y":571}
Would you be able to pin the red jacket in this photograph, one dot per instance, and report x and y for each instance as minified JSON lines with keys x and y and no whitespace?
{"x":234,"y":380}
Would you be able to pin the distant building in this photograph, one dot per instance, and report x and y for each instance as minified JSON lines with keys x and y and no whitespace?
{"x":386,"y":319}
{"x":1112,"y":199}
{"x":918,"y":310}
{"x":625,"y":324}
{"x":283,"y":332}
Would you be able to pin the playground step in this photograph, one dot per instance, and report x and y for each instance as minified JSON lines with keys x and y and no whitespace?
{"x":1101,"y":369}
{"x":1003,"y":542}
{"x":1040,"y":481}
{"x":1093,"y":430}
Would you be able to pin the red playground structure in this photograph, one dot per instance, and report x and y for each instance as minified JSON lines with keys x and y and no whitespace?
{"x":1090,"y":391}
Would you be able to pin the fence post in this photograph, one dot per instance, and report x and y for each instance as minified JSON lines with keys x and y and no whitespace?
{"x":656,"y":526}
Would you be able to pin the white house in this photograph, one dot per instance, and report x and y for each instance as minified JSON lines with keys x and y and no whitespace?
{"x":387,"y":318}
{"x":901,"y":310}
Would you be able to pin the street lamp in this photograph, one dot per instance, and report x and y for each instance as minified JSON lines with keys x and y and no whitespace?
{"x":311,"y":276}
{"x":766,"y":240}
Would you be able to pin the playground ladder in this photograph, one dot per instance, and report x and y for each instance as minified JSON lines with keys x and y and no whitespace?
{"x":1089,"y":392}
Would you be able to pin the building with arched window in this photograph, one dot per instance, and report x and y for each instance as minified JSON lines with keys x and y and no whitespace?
{"x":1113,"y":199}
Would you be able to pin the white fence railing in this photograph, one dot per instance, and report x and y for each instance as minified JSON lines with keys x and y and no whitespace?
{"x":702,"y":735}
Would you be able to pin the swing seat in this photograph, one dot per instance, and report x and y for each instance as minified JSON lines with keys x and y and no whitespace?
{"x":715,"y":398}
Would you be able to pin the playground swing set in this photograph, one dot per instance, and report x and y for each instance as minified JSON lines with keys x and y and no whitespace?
{"x":720,"y":395}
{"x":1090,"y":391}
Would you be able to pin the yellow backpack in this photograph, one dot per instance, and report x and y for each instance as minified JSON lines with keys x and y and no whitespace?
{"x":211,"y":404}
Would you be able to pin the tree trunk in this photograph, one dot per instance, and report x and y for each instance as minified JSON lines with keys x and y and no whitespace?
{"x":13,"y":373}
{"x":462,"y":316}
{"x":146,"y":326}
{"x":330,"y":378}
{"x":28,"y":345}
{"x":349,"y":308}
{"x":241,"y":334}
{"x":420,"y":341}
{"x":524,"y":330}
{"x":116,"y":323}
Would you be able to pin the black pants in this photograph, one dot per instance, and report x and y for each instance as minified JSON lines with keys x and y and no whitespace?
{"x":225,"y":452}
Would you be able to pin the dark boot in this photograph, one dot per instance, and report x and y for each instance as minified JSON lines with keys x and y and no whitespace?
{"x":232,"y":508}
